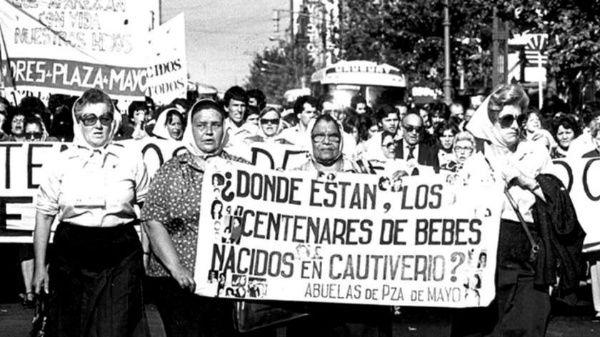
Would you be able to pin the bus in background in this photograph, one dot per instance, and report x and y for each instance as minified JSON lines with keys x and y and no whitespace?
{"x":375,"y":82}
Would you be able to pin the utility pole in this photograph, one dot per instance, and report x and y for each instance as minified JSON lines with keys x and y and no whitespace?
{"x":293,"y":43}
{"x":447,"y":79}
{"x":499,"y":51}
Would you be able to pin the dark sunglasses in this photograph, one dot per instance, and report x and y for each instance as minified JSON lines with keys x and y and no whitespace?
{"x":91,"y":119}
{"x":269,"y":121}
{"x":33,"y":135}
{"x":507,"y":121}
{"x":410,"y":128}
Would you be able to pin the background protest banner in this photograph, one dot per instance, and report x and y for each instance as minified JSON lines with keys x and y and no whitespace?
{"x":70,"y":46}
{"x":167,"y":72}
{"x":582,"y":178}
{"x":346,"y":238}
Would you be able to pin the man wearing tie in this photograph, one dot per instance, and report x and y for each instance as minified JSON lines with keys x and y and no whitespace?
{"x":412,"y":147}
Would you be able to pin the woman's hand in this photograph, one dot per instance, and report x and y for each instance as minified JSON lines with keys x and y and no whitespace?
{"x":184,"y":278}
{"x":41,"y":281}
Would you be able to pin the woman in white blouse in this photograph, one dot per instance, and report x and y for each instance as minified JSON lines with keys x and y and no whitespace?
{"x":95,"y":276}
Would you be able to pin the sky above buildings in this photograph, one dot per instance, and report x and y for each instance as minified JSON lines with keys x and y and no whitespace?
{"x":222,"y":36}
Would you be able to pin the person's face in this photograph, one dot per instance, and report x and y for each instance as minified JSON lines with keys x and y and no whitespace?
{"x":507,"y":124}
{"x":175,"y":127}
{"x":412,"y":126}
{"x":446,"y":139}
{"x":468,"y":114}
{"x":269,"y":123}
{"x":373,"y":129}
{"x":252,"y":101}
{"x":388,"y":145}
{"x":402,"y":110}
{"x":425,"y":117}
{"x":236,"y":110}
{"x":457,"y":111}
{"x":326,"y":140}
{"x":361,"y":108}
{"x":207,"y":129}
{"x":389,"y":123}
{"x":96,"y":134}
{"x":17,"y":126}
{"x":463,"y":149}
{"x":308,"y":112}
{"x":33,"y":132}
{"x":252,"y":119}
{"x":139,"y":116}
{"x":564,"y":136}
{"x":533,"y":123}
{"x":436,"y":118}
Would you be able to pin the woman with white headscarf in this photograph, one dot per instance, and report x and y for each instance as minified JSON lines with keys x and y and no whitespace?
{"x":170,"y":124}
{"x":269,"y":129}
{"x":95,"y":276}
{"x":533,"y":236}
{"x":171,"y":213}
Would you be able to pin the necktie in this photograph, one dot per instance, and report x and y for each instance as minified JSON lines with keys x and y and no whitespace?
{"x":411,"y":152}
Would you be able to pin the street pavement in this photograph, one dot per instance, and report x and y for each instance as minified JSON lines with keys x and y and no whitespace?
{"x":15,"y":321}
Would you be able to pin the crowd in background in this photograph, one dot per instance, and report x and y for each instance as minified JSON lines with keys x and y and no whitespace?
{"x":432,"y":135}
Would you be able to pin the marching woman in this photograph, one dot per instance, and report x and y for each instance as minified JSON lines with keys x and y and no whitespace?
{"x":95,"y":276}
{"x":171,"y":213}
{"x":533,"y":235}
{"x":169,"y":124}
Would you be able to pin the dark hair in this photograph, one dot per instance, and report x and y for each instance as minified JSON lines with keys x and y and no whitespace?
{"x":92,"y":96}
{"x":326,"y":118}
{"x":214,"y":205}
{"x":260,"y":97}
{"x":385,"y":134}
{"x":300,"y":101}
{"x":384,"y":110}
{"x":135,"y":106}
{"x":174,"y":112}
{"x":32,"y":105}
{"x":206,"y":104}
{"x":268,"y":109}
{"x":443,"y":126}
{"x":362,"y":124}
{"x":590,"y":113}
{"x":252,"y":110}
{"x":236,"y":93}
{"x":62,"y":124}
{"x":182,"y":102}
{"x":32,"y":119}
{"x":357,"y":99}
{"x":567,"y":122}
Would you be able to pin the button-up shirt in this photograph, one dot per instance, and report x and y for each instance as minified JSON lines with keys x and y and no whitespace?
{"x":93,"y":187}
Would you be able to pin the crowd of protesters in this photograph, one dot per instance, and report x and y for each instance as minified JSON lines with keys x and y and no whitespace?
{"x":504,"y":137}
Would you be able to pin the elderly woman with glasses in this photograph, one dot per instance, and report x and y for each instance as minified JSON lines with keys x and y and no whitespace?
{"x":95,"y":276}
{"x":528,"y":244}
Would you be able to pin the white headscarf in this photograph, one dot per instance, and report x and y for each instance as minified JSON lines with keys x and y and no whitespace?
{"x":188,"y":135}
{"x":481,"y":126}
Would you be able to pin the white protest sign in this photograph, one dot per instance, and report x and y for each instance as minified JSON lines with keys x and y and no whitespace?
{"x":167,"y":72}
{"x":345,"y":238}
{"x":581,"y":177}
{"x":70,"y":46}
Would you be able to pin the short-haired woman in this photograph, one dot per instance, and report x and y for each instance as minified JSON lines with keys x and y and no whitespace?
{"x":95,"y":277}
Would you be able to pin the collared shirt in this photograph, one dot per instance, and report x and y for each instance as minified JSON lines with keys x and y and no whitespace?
{"x":406,"y":151}
{"x":93,"y":187}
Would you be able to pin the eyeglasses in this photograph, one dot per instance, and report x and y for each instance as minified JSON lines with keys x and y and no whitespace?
{"x":320,"y":137}
{"x":91,"y":119}
{"x":269,"y":121}
{"x":33,"y":135}
{"x":411,"y":128}
{"x":463,"y":149}
{"x":507,"y":121}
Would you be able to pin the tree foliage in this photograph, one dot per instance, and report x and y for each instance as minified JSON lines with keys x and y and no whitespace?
{"x":278,"y":69}
{"x":409,"y":35}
